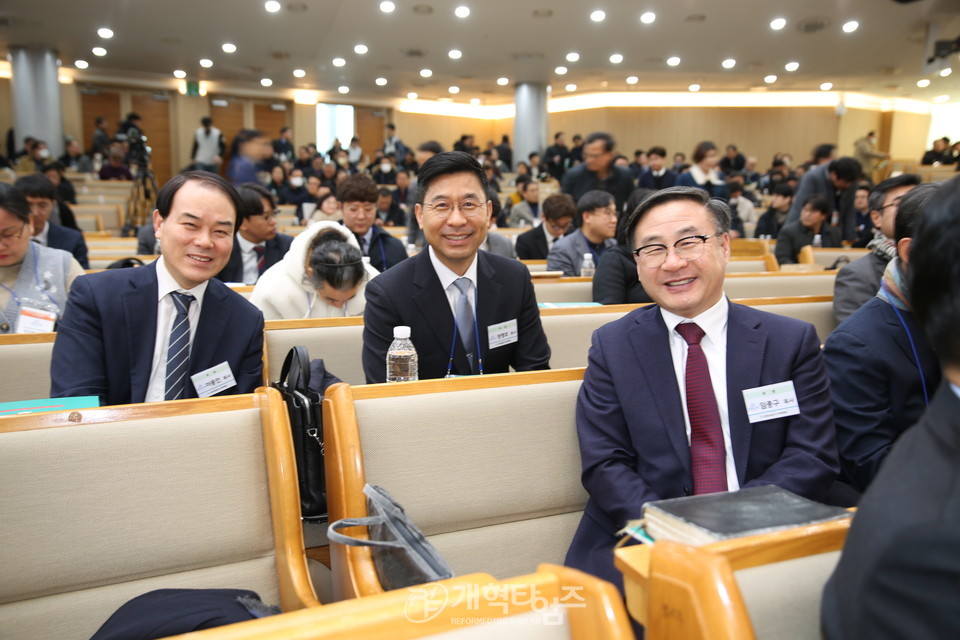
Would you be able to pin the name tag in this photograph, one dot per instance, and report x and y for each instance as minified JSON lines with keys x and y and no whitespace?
{"x":501,"y":334}
{"x":213,"y":380}
{"x":33,"y":320}
{"x":772,"y":401}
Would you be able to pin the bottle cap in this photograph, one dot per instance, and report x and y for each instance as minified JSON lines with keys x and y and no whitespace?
{"x":588,"y":255}
{"x":401,"y":333}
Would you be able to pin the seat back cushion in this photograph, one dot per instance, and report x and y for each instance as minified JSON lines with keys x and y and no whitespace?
{"x":339,"y":347}
{"x":25,"y":371}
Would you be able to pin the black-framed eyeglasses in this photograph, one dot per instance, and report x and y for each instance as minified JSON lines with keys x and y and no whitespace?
{"x":689,"y":248}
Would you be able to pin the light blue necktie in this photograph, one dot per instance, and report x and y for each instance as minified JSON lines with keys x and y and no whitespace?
{"x":178,"y":352}
{"x":464,"y":318}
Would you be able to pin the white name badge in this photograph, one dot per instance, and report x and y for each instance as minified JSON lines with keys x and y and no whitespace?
{"x":772,"y":401}
{"x":33,"y":320}
{"x":503,"y":333}
{"x":213,"y":380}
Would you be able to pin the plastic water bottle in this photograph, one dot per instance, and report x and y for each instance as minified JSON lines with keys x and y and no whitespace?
{"x":587,"y":267}
{"x":401,"y":357}
{"x":817,"y":240}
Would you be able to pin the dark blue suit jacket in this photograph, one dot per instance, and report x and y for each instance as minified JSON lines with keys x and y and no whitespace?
{"x":106,"y":338}
{"x":276,"y":248}
{"x":410,"y":294}
{"x":875,"y":385}
{"x":70,"y":240}
{"x":630,"y":422}
{"x":647,"y":181}
{"x":385,"y":250}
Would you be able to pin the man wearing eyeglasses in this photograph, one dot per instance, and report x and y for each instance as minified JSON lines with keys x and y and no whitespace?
{"x":597,"y":225}
{"x":470,"y":311}
{"x":257,"y":245}
{"x":676,"y":399}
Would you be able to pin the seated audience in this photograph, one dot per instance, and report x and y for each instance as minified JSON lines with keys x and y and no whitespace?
{"x":813,"y":228}
{"x":405,"y":195}
{"x":323,"y":275}
{"x":703,"y":173}
{"x":115,"y":169}
{"x":526,"y":212}
{"x":278,"y":184}
{"x":859,"y":281}
{"x":732,"y":161}
{"x":296,"y":190}
{"x":257,"y":245}
{"x":358,"y":197}
{"x":615,"y":281}
{"x":36,"y":153}
{"x":32,"y":276}
{"x":596,"y":226}
{"x":770,"y":223}
{"x":494,"y":242}
{"x":657,"y":176}
{"x":252,"y":148}
{"x":737,"y":203}
{"x":328,"y":210}
{"x":836,"y":181}
{"x":147,"y":242}
{"x":308,"y":202}
{"x":385,"y":173}
{"x":41,"y":195}
{"x":861,"y":211}
{"x":940,"y":154}
{"x":389,"y":213}
{"x":74,"y":159}
{"x":558,"y":213}
{"x":66,"y":192}
{"x":882,"y":371}
{"x":899,"y":573}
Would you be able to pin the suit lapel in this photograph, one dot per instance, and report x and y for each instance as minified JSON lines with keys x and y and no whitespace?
{"x":746,"y":345}
{"x":652,"y":351}
{"x":211,"y":329}
{"x":431,"y":300}
{"x":140,"y":324}
{"x":899,"y":335}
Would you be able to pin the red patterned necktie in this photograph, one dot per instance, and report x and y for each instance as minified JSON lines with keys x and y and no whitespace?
{"x":707,"y":454}
{"x":261,"y":259}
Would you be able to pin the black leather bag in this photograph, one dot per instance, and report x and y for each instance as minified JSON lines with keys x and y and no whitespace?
{"x":306,"y":423}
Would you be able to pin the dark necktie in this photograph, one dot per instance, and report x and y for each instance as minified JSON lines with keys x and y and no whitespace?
{"x":465,"y":317}
{"x":261,"y":258}
{"x":178,"y":351}
{"x":707,"y":454}
{"x":363,"y":245}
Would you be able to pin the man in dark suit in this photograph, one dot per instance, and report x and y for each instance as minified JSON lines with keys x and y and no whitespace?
{"x":657,"y":176}
{"x":45,"y":210}
{"x":358,"y":196}
{"x":169,"y":330}
{"x":664,"y":385}
{"x":899,"y":573}
{"x":559,"y":211}
{"x":257,"y":245}
{"x":478,"y":306}
{"x":814,"y":222}
{"x":836,"y":181}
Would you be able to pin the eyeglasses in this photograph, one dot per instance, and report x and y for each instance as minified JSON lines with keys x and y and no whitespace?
{"x":557,"y":226}
{"x":7,"y":237}
{"x":467,"y":208}
{"x":690,"y":248}
{"x":270,"y":215}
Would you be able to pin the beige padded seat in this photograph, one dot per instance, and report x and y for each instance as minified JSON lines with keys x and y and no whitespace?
{"x":25,"y":372}
{"x":338,"y":341}
{"x":818,"y":312}
{"x":487,"y":466}
{"x":102,"y":505}
{"x":569,"y":334}
{"x":798,"y":284}
{"x":826,"y":257}
{"x":564,"y":290}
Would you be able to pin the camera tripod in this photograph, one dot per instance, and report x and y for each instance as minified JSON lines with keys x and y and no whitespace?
{"x":142,"y":194}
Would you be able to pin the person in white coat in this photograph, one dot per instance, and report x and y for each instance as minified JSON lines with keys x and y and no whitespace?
{"x":323,"y":275}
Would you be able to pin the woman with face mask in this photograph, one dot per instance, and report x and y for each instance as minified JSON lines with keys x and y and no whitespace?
{"x":385,"y":173}
{"x":295,"y":192}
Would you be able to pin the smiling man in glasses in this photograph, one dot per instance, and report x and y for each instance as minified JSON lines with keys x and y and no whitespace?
{"x":469,"y":311}
{"x":694,"y":394}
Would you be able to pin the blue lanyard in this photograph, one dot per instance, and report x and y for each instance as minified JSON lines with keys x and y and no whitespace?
{"x":476,"y":335}
{"x":916,"y":357}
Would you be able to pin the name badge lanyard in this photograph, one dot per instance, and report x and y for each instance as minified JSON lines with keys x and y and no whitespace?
{"x":40,"y":287}
{"x":476,"y":334}
{"x":916,"y":357}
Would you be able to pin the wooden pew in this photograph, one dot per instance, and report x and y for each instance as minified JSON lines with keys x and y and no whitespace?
{"x":112,"y":215}
{"x":827,"y":257}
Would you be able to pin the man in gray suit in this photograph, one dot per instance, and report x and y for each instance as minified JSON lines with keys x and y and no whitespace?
{"x":525,"y":212}
{"x":859,"y":281}
{"x":494,"y":242}
{"x":597,"y":218}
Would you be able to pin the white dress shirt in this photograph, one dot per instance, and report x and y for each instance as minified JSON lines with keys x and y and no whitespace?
{"x":250,"y":259}
{"x":448,"y":277}
{"x":713,"y":321}
{"x":166,"y":313}
{"x":551,"y":239}
{"x":42,"y":238}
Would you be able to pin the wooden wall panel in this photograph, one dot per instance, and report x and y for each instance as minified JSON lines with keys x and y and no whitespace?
{"x":269,"y":120}
{"x":908,"y":134}
{"x":415,"y":129}
{"x":155,"y":123}
{"x":857,"y":123}
{"x":229,"y":120}
{"x":370,"y":125}
{"x":93,"y":105}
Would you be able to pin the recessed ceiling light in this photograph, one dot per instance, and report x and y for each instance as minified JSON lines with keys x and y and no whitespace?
{"x":826,"y":86}
{"x":228,"y":47}
{"x":850,"y":27}
{"x":560,"y":71}
{"x":791,"y":66}
{"x":945,"y":72}
{"x":299,"y":73}
{"x":616,"y":58}
{"x":461,"y":11}
{"x":105,"y":33}
{"x":455,"y":54}
{"x":387,"y":7}
{"x":180,"y":73}
{"x":343,"y":89}
{"x":632,"y":79}
{"x":360,"y":49}
{"x":694,"y":88}
{"x":381,"y":82}
{"x":942,"y":99}
{"x":729,"y":63}
{"x":266,"y":82}
{"x":573,"y":56}
{"x":503,"y":81}
{"x":454,"y":89}
{"x":923,"y":83}
{"x":571,"y":87}
{"x":777,"y":24}
{"x":475,"y":101}
{"x":99,"y":51}
{"x":673,"y":61}
{"x":425,"y":73}
{"x":412,"y":95}
{"x":770,"y":79}
{"x":598,"y":16}
{"x":81,"y":64}
{"x":338,"y":62}
{"x":272,"y":6}
{"x":206,"y":63}
{"x":648,"y":17}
